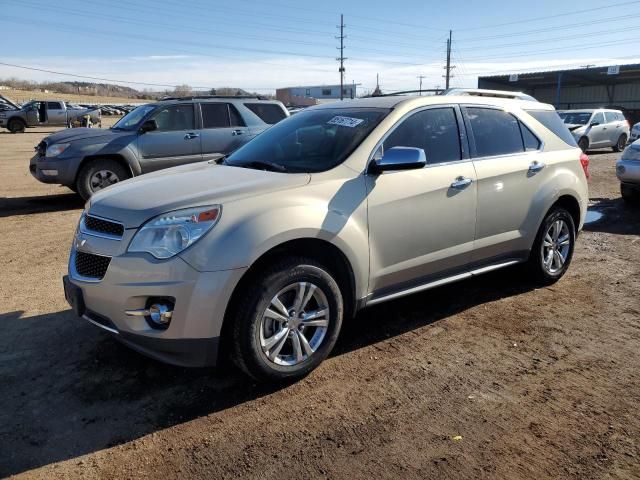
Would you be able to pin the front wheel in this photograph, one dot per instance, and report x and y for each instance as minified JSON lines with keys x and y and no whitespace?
{"x":553,"y":248}
{"x":622,"y":142}
{"x":99,"y":174}
{"x":288,"y":320}
{"x":16,"y":125}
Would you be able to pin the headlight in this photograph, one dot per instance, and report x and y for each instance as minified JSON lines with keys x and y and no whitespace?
{"x":170,"y":233}
{"x":56,"y":149}
{"x":631,"y":153}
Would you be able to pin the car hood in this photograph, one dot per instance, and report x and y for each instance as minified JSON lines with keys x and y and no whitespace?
{"x":135,"y":201}
{"x":73,"y":134}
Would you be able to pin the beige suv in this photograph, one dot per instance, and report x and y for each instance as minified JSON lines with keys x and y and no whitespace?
{"x":264,"y":254}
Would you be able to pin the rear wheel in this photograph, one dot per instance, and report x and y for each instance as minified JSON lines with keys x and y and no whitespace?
{"x":622,"y":142}
{"x":553,"y":248}
{"x":99,"y":174}
{"x":16,"y":125}
{"x":288,"y":320}
{"x":583,"y":143}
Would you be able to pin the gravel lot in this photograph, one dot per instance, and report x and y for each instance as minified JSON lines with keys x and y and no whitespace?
{"x":489,"y":378}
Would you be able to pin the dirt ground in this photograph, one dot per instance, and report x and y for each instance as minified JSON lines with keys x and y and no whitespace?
{"x":488,"y":378}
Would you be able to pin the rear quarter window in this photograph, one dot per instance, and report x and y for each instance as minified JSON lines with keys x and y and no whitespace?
{"x":551,"y":120}
{"x":267,"y":112}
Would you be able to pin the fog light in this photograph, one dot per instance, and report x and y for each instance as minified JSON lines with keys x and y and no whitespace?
{"x":621,"y":169}
{"x":160,"y":313}
{"x":49,"y":173}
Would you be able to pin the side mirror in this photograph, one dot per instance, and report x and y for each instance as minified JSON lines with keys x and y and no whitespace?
{"x":148,"y":126}
{"x":594,"y":124}
{"x":400,"y":158}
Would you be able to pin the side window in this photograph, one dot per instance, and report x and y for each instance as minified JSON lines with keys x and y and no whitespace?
{"x":434,"y":130}
{"x":215,"y":115}
{"x":54,"y":106}
{"x":495,"y":132}
{"x":236,"y":118}
{"x":610,"y":117}
{"x":268,"y":112}
{"x":598,"y":118}
{"x":175,"y":117}
{"x":551,"y":120}
{"x":531,"y":142}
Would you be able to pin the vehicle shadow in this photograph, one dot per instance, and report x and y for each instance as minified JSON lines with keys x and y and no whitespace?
{"x":69,"y":389}
{"x":10,"y":206}
{"x":618,"y":217}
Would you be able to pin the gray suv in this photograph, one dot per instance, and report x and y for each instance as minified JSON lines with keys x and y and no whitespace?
{"x":337,"y":208}
{"x":159,"y":135}
{"x":599,"y":128}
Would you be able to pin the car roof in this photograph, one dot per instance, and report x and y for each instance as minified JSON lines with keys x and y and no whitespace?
{"x":416,"y":101}
{"x":217,"y":99}
{"x":591,"y":110}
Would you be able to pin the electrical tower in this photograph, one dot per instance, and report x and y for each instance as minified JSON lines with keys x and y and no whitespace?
{"x":342,"y":58}
{"x":448,"y":67}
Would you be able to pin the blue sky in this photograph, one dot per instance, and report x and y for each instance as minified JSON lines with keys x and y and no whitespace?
{"x":261,"y":45}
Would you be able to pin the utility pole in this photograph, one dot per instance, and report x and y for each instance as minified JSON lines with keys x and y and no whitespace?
{"x":420,"y":77}
{"x":448,"y":68}
{"x":342,"y":58}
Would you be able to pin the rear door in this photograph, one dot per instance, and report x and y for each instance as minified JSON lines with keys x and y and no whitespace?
{"x":56,"y":113}
{"x":269,"y":113}
{"x":615,"y":126}
{"x":175,"y":142}
{"x":510,"y":167}
{"x":223,"y":129}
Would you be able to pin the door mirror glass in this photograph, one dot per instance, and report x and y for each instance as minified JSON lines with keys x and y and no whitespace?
{"x":400,"y":158}
{"x":148,"y":126}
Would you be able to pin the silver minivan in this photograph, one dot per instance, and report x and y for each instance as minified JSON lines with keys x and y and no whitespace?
{"x":263,"y":255}
{"x":599,"y":128}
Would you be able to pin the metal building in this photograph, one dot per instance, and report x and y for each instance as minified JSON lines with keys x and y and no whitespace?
{"x":310,"y":95}
{"x":616,"y":86}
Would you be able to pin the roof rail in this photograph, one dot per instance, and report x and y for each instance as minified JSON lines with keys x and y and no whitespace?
{"x":437,"y":91}
{"x":480,"y":92}
{"x":196,"y":97}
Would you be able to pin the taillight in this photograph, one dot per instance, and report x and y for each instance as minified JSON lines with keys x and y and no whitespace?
{"x":584,"y":161}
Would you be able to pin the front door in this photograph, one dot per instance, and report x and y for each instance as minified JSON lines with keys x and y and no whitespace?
{"x":175,"y":142}
{"x":422,"y":222}
{"x":223,"y":129}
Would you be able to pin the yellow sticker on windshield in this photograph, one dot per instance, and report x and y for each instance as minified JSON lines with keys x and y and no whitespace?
{"x":345,"y":121}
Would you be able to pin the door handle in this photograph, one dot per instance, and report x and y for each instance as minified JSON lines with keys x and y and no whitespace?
{"x":237,"y":132}
{"x":190,"y":136}
{"x":536,"y":166}
{"x":461,"y":182}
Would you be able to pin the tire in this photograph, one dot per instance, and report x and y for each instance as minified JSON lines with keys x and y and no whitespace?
{"x":16,"y":125}
{"x":98,"y":174}
{"x":622,"y":143}
{"x":630,"y":194}
{"x":538,"y":268}
{"x":583,"y":143}
{"x":255,"y":325}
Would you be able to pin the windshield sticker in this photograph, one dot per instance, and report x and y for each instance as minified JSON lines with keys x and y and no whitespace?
{"x":345,"y":121}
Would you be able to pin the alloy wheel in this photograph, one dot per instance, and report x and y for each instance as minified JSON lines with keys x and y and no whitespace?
{"x":295,"y":324}
{"x":102,"y":179}
{"x":556,"y":246}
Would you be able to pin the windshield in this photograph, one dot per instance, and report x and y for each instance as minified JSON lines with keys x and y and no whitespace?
{"x":133,"y":118}
{"x":575,"y":118}
{"x":311,"y":141}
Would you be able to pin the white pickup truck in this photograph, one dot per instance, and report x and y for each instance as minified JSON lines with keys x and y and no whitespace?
{"x":44,"y":112}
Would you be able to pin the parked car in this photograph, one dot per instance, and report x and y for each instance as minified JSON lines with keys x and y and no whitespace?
{"x":339,"y":207}
{"x":151,"y":137}
{"x":44,"y":112}
{"x":635,"y":133}
{"x":599,"y":128}
{"x":628,"y":172}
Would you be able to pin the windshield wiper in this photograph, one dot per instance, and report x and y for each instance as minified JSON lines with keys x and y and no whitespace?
{"x":262,"y":165}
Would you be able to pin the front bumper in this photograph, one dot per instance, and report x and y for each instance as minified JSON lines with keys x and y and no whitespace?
{"x":628,"y":171}
{"x":52,"y":170}
{"x":130,"y":281}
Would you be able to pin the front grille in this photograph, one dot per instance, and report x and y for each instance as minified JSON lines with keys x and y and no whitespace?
{"x":91,"y":266}
{"x":100,"y":225}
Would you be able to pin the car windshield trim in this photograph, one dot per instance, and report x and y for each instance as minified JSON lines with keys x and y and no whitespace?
{"x":312,"y":141}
